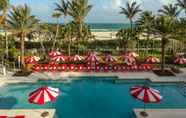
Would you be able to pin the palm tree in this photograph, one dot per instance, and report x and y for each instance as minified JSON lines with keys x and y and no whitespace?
{"x":165,"y":27}
{"x":21,"y":22}
{"x":182,"y":4}
{"x":130,"y":11}
{"x":170,"y":10}
{"x":62,"y":8}
{"x":78,"y":10}
{"x":56,"y":15}
{"x":124,"y":36}
{"x":145,"y":22}
{"x":4,"y":6}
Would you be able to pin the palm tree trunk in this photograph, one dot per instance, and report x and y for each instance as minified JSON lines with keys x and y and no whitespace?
{"x":57,"y":30}
{"x":131,"y":24}
{"x":69,"y":47}
{"x":80,"y":35}
{"x":6,"y":44}
{"x":22,"y":50}
{"x":163,"y":54}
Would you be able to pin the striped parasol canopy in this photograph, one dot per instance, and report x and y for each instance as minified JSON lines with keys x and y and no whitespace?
{"x":54,"y":53}
{"x":109,"y":58}
{"x":152,"y":59}
{"x":43,"y":95}
{"x":129,"y":60}
{"x":180,"y":60}
{"x":146,"y":94}
{"x":92,"y":57}
{"x":58,"y":58}
{"x":132,"y":54}
{"x":76,"y":58}
{"x":32,"y":59}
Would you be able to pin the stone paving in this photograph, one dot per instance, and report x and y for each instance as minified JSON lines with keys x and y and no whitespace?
{"x":28,"y":113}
{"x":162,"y":113}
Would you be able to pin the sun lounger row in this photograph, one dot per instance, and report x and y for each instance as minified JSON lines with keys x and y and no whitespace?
{"x":12,"y":117}
{"x":96,"y":68}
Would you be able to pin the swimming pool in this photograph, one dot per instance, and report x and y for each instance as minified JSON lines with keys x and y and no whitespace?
{"x":92,"y":98}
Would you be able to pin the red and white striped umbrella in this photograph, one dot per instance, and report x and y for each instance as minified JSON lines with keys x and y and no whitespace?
{"x":146,"y":94}
{"x":32,"y":59}
{"x":152,"y":60}
{"x":58,"y":58}
{"x":180,"y":60}
{"x":129,"y":60}
{"x":92,"y":57}
{"x":110,"y":58}
{"x":75,"y":58}
{"x":54,"y":53}
{"x":43,"y":95}
{"x":132,"y":54}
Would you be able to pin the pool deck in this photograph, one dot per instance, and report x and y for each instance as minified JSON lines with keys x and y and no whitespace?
{"x":28,"y":113}
{"x":162,"y":113}
{"x":34,"y":77}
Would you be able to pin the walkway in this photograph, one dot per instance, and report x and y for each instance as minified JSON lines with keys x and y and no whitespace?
{"x":162,"y":113}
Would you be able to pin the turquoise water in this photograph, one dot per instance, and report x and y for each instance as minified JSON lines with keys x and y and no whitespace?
{"x":92,"y":98}
{"x":106,"y":27}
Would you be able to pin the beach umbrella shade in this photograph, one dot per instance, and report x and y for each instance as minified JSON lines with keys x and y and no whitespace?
{"x":180,"y":60}
{"x":54,"y":53}
{"x":132,"y":54}
{"x":146,"y":94}
{"x":129,"y":60}
{"x":43,"y":95}
{"x":92,"y":57}
{"x":110,"y":58}
{"x":76,"y":58}
{"x":152,"y":59}
{"x":32,"y":59}
{"x":58,"y":58}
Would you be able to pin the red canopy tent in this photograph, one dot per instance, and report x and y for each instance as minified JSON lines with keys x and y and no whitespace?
{"x":180,"y":60}
{"x":92,"y":61}
{"x":152,"y":59}
{"x":54,"y":53}
{"x":110,"y":59}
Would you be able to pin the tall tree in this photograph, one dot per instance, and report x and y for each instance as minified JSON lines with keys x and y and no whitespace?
{"x":165,"y":27}
{"x":57,"y":16}
{"x":170,"y":10}
{"x":78,"y":10}
{"x":182,"y":4}
{"x":62,"y":7}
{"x":21,"y":22}
{"x":145,"y":22}
{"x":4,"y":6}
{"x":130,"y":11}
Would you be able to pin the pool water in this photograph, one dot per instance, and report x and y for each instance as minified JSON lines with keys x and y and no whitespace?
{"x":91,"y":98}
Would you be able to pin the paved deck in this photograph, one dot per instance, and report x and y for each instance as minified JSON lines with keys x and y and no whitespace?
{"x":28,"y":113}
{"x":162,"y":113}
{"x":34,"y":77}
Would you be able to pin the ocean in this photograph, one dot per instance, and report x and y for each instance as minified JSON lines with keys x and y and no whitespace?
{"x":107,"y":27}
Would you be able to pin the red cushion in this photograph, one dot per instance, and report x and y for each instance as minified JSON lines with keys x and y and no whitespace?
{"x":3,"y":116}
{"x":19,"y":116}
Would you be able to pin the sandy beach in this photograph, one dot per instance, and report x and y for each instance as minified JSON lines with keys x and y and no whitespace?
{"x":105,"y":35}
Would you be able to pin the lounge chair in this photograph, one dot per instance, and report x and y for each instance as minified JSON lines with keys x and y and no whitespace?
{"x":37,"y":67}
{"x":97,"y":68}
{"x":19,"y":116}
{"x":71,"y":67}
{"x":63,"y":67}
{"x":106,"y":68}
{"x":80,"y":67}
{"x":115,"y":68}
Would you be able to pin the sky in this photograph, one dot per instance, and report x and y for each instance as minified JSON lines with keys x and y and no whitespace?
{"x":103,"y":11}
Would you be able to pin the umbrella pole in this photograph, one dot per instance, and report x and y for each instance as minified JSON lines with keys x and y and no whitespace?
{"x":144,"y":113}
